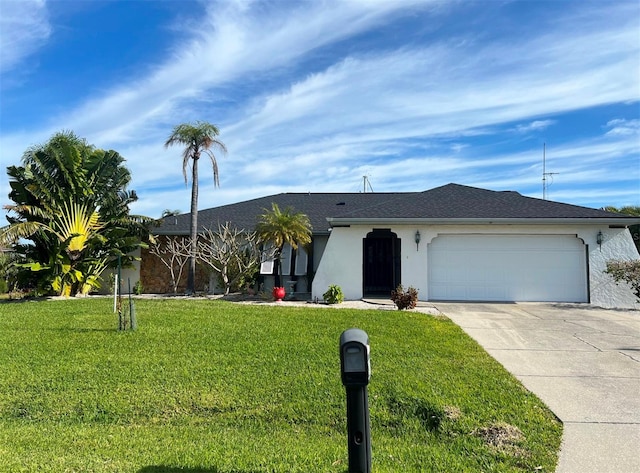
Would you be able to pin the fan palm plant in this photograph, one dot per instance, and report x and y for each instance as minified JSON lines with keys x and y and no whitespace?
{"x":75,"y":226}
{"x":279,"y":227}
{"x":199,"y":137}
{"x":70,"y":202}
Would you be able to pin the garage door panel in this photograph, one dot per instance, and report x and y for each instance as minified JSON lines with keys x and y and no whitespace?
{"x":507,"y":268}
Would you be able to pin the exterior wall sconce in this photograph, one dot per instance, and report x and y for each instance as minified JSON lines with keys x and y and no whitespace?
{"x":599,"y":239}
{"x":417,"y":238}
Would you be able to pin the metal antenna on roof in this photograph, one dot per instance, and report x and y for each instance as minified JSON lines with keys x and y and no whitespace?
{"x":546,"y":176}
{"x":366,"y":183}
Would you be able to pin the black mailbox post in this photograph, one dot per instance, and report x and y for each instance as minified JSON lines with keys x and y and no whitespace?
{"x":355,"y":368}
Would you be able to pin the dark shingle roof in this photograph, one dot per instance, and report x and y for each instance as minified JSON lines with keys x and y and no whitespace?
{"x":244,"y":215}
{"x":452,"y":201}
{"x":455,"y":201}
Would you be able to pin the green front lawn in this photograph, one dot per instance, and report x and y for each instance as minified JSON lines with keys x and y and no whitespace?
{"x":218,"y":387}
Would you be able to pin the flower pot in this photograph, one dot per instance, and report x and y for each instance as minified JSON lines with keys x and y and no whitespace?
{"x":278,"y":293}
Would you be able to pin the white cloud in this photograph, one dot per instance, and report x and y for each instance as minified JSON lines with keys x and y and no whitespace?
{"x":393,"y":95}
{"x":623,"y":127}
{"x":401,"y":115}
{"x":24,"y":27}
{"x":438,"y":90}
{"x":535,"y":125}
{"x":232,"y":42}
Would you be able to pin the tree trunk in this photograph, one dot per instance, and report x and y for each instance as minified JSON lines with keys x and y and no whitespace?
{"x":193,"y":244}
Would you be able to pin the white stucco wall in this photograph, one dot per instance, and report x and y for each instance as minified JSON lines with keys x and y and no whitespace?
{"x":617,"y":245}
{"x":342,"y":264}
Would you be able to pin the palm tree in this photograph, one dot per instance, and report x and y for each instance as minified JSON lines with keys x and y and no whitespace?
{"x":633,"y":229}
{"x":280,"y":227}
{"x":70,"y":201}
{"x":197,"y":138}
{"x":76,"y":227}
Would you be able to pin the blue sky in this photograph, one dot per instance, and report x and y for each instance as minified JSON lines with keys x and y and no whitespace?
{"x":312,"y":96}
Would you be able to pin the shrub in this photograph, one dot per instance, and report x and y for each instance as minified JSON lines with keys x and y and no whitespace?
{"x":626,"y":271}
{"x":137,"y":288}
{"x":404,"y":300}
{"x":8,"y":271}
{"x":333,"y":295}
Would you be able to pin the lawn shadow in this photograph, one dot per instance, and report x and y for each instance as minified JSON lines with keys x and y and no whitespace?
{"x":85,"y":329}
{"x":22,"y":300}
{"x":175,"y":469}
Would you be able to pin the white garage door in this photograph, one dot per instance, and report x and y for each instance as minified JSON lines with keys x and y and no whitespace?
{"x":542,"y":268}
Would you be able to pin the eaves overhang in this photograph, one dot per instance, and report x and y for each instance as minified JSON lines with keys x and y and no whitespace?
{"x":621,"y":221}
{"x":171,"y":232}
{"x":186,"y":232}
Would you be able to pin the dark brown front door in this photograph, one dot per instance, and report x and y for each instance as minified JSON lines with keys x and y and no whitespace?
{"x":381,"y":263}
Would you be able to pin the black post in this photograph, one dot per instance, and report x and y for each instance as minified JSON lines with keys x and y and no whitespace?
{"x":358,"y":430}
{"x":121,"y":322}
{"x":132,"y":310}
{"x":356,"y":371}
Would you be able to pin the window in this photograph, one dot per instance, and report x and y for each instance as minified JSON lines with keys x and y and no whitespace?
{"x":300,"y":269}
{"x":301,"y":262}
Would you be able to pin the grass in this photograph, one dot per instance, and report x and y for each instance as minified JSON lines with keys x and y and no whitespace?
{"x":217,"y":387}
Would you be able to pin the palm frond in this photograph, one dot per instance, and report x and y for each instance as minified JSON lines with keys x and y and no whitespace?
{"x":197,"y":138}
{"x":279,"y":227}
{"x":77,"y":224}
{"x":12,"y":233}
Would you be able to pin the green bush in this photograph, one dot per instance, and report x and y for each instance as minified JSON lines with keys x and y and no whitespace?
{"x":8,"y":271}
{"x":333,"y":295}
{"x":137,"y":288}
{"x":405,"y":299}
{"x":626,"y":271}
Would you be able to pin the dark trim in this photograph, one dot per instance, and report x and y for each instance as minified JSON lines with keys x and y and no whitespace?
{"x":588,"y":268}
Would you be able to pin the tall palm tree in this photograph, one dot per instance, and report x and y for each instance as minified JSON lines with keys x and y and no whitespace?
{"x":198,"y":138}
{"x":280,"y":227}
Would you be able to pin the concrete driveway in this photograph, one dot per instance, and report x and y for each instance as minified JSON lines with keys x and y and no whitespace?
{"x":583,"y":362}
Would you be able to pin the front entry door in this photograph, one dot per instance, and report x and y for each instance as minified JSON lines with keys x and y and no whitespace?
{"x":381,"y":263}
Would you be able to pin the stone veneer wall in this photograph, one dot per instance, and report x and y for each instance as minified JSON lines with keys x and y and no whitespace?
{"x":156,"y":277}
